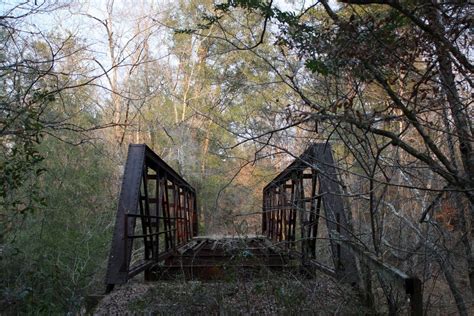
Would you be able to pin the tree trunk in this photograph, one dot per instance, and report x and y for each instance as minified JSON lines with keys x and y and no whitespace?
{"x":114,"y":80}
{"x":461,"y":129}
{"x":462,"y":309}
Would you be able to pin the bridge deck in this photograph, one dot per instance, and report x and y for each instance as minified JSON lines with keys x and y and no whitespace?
{"x":211,"y":257}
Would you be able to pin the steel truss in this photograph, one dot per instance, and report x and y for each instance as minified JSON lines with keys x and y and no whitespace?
{"x":308,"y":190}
{"x":163,"y":203}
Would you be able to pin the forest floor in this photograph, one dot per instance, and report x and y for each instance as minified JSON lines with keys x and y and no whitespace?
{"x":268,"y":294}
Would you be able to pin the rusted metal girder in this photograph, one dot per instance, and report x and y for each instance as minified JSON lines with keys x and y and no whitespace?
{"x":163,"y":202}
{"x":308,"y":190}
{"x":305,"y":191}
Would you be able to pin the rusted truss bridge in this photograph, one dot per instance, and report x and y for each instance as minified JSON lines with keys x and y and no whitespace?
{"x":156,"y":227}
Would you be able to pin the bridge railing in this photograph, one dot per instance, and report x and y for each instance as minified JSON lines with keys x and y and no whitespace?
{"x":156,"y":213}
{"x":305,"y":195}
{"x":298,"y":199}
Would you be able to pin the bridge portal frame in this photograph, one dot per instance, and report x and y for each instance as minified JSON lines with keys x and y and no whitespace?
{"x":164,"y":203}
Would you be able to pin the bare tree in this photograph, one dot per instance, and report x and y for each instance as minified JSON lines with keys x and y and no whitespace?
{"x":390,"y":85}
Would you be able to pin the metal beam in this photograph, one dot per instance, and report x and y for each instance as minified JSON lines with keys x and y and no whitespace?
{"x":171,"y":208}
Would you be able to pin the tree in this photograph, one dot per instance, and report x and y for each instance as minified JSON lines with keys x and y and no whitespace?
{"x":25,"y":66}
{"x":390,"y":82}
{"x":47,"y":111}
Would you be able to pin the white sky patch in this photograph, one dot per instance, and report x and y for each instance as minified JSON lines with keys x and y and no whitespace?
{"x":300,"y":5}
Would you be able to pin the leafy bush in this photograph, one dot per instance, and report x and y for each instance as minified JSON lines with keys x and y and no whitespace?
{"x":54,"y":258}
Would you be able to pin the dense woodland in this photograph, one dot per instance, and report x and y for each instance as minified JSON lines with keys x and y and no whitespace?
{"x":228,"y":93}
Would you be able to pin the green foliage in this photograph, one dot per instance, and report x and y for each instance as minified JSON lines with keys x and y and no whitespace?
{"x":262,"y":6}
{"x":19,"y":160}
{"x":19,"y":192}
{"x":23,"y":99}
{"x":55,"y":199}
{"x":55,"y":258}
{"x":317,"y":66}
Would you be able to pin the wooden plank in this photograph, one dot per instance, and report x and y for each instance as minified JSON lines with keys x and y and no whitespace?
{"x":186,"y":247}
